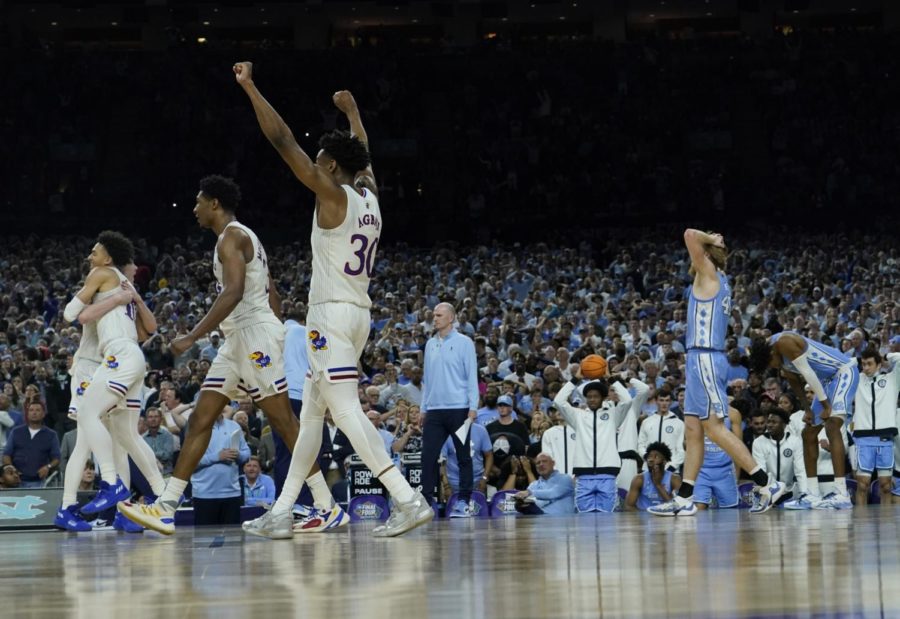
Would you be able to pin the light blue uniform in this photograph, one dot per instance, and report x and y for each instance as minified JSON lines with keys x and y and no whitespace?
{"x":716,"y":478}
{"x":707,"y":365}
{"x":836,"y":371}
{"x":649,"y":495}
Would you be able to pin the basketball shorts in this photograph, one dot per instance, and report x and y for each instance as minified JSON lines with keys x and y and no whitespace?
{"x":336,"y":335}
{"x":82,"y":375}
{"x":705,"y":394}
{"x":874,"y":454}
{"x":841,"y":391}
{"x":121,"y":372}
{"x":716,"y":483}
{"x":250,"y":363}
{"x":595,"y":493}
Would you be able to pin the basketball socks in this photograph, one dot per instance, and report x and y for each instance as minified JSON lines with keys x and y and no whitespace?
{"x":171,"y":497}
{"x":685,"y":492}
{"x":322,"y":498}
{"x":396,"y":485}
{"x":759,"y":477}
{"x":840,"y":485}
{"x":812,"y":486}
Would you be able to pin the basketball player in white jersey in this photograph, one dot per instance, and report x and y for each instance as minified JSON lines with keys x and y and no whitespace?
{"x":346,"y":229}
{"x":249,"y":363}
{"x":119,"y":378}
{"x":121,"y":422}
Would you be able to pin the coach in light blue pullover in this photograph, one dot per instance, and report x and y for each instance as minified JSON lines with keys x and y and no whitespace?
{"x":215,"y":485}
{"x":449,"y":396}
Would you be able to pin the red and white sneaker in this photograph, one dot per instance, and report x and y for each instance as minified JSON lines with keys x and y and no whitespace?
{"x":317,"y":521}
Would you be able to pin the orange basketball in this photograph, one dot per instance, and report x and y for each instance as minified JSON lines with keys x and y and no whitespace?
{"x":593,"y":366}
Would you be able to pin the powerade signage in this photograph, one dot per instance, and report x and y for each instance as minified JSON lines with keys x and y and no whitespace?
{"x":31,"y":508}
{"x":362,"y":481}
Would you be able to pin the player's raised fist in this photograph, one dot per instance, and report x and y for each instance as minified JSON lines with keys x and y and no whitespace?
{"x":243,"y":72}
{"x":344,"y":101}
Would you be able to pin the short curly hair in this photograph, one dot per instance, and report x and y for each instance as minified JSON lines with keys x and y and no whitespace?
{"x":223,"y":189}
{"x":760,"y":355}
{"x":118,"y":246}
{"x":348,"y":150}
{"x":661,"y":448}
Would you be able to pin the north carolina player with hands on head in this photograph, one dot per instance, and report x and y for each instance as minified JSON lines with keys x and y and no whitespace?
{"x":346,"y":228}
{"x":249,"y":363}
{"x":833,"y":378}
{"x":116,"y":318}
{"x":875,"y":423}
{"x":706,"y":400}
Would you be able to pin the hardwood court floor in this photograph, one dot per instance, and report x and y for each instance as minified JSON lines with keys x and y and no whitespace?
{"x":781,"y":564}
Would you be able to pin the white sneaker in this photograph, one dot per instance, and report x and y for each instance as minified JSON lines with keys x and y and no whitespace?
{"x":271,"y":526}
{"x":316,"y":521}
{"x":768,"y":497}
{"x":833,"y":500}
{"x":405,"y":517}
{"x":803,"y":502}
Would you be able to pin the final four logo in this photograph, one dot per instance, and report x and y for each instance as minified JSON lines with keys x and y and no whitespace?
{"x":111,"y":362}
{"x":260,"y":360}
{"x":317,"y":340}
{"x":82,"y":387}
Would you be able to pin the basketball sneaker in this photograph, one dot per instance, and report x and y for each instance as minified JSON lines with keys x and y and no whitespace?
{"x":158,"y":516}
{"x":108,"y":496}
{"x":316,"y":521}
{"x":803,"y":502}
{"x":69,"y":519}
{"x":461,"y":509}
{"x":121,"y":523}
{"x":405,"y":517}
{"x":270,"y":525}
{"x":673,"y":508}
{"x":833,"y":500}
{"x":768,"y":497}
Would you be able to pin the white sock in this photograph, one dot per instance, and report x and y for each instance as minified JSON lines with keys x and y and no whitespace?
{"x":840,"y":485}
{"x":306,"y":449}
{"x":171,"y":496}
{"x":396,"y":484}
{"x":682,"y":501}
{"x":321,"y":495}
{"x":812,"y":486}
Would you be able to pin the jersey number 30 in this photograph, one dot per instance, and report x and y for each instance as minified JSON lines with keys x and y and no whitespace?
{"x":365,"y":254}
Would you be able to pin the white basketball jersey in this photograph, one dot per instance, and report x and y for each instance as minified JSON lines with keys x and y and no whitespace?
{"x":89,"y":346}
{"x":253,"y":308}
{"x":118,"y":323}
{"x":343,"y":258}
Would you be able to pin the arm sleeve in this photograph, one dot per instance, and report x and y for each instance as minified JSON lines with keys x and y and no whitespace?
{"x":426,"y":380}
{"x":678,"y":452}
{"x":562,"y":404}
{"x":802,"y":364}
{"x":73,"y":308}
{"x":894,"y":358}
{"x":471,"y":361}
{"x":558,"y":488}
{"x":800,"y":467}
{"x":643,"y":439}
{"x":54,"y":447}
{"x":759,"y":454}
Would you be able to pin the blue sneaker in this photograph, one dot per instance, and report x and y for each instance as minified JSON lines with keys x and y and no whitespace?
{"x":121,"y":523}
{"x":108,"y":497}
{"x":461,"y":509}
{"x":673,"y":508}
{"x":803,"y":502}
{"x":69,"y":519}
{"x":833,"y":500}
{"x":768,"y":497}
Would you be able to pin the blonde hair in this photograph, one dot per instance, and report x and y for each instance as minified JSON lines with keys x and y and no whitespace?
{"x":717,"y":255}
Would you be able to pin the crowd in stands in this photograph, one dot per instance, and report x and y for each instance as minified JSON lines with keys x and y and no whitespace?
{"x":533,"y":312}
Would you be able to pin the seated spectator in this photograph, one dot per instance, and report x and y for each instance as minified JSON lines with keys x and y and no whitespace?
{"x":517,"y":472}
{"x":33,"y":448}
{"x":386,"y":436}
{"x":657,"y":484}
{"x":9,"y":477}
{"x":241,"y":418}
{"x":160,"y":440}
{"x":755,"y":427}
{"x":412,"y":391}
{"x":552,"y":493}
{"x":409,"y":434}
{"x":88,"y":478}
{"x":489,"y":412}
{"x":507,"y":423}
{"x":259,"y":488}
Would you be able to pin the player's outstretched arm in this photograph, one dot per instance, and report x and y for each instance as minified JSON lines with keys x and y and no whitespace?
{"x":82,"y":298}
{"x":345,"y":102}
{"x":282,"y":138}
